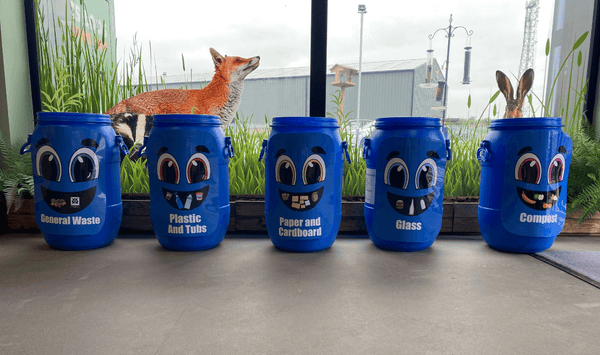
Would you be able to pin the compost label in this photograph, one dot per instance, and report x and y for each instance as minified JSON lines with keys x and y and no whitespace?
{"x":535,"y":179}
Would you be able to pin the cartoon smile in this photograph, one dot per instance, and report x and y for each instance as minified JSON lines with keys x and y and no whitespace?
{"x":185,"y":200}
{"x":301,"y":201}
{"x":410,"y":206}
{"x":538,"y":200}
{"x":68,"y":202}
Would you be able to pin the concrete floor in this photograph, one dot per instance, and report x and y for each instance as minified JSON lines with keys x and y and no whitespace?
{"x":246,"y":297}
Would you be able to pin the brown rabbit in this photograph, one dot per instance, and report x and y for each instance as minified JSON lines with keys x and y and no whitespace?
{"x":514,"y":107}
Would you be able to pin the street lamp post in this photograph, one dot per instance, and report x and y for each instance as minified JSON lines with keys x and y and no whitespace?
{"x":362,"y":10}
{"x":449,"y":34}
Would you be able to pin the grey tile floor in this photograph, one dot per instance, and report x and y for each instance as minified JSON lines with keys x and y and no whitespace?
{"x":246,"y":297}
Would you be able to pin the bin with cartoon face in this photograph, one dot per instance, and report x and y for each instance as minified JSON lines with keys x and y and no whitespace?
{"x":406,"y":161}
{"x":523,"y":192}
{"x":188,"y":161}
{"x":76,"y":173}
{"x":303,"y":182}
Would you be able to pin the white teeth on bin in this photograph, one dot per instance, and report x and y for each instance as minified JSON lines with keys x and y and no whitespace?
{"x":423,"y":204}
{"x":411,"y":210}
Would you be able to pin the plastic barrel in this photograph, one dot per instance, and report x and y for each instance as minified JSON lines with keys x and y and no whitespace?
{"x":188,"y":161}
{"x":303,"y":182}
{"x":406,"y":161}
{"x":523,"y":192}
{"x":76,"y":172}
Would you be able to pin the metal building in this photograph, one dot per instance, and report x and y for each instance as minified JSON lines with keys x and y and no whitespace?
{"x":389,"y":88}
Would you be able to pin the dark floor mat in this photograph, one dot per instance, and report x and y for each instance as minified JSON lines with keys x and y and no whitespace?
{"x":584,"y":265}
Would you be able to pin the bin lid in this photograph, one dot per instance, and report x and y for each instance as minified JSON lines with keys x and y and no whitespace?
{"x":71,"y":117}
{"x":402,"y":122}
{"x":527,"y":122}
{"x":178,"y":119}
{"x":297,"y":121}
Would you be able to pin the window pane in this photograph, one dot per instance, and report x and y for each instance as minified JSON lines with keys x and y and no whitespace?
{"x":395,"y":38}
{"x":278,"y":32}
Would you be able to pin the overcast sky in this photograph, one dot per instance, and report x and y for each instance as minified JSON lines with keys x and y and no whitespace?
{"x":279,"y":32}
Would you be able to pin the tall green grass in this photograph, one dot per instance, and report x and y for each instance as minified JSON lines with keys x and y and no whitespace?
{"x":463,"y":171}
{"x":134,"y":176}
{"x":78,"y":77}
{"x":246,"y":173}
{"x":354,"y":174}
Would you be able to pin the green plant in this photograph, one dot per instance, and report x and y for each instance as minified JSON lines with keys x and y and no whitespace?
{"x":462,"y":176}
{"x":354,"y":175}
{"x":134,"y":176}
{"x":246,"y":173}
{"x":78,"y":77}
{"x":15,"y":174}
{"x":584,"y":175}
{"x":463,"y":172}
{"x":565,"y":108}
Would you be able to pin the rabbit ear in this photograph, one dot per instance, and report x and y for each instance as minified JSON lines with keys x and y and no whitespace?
{"x":504,"y":85}
{"x":525,"y":85}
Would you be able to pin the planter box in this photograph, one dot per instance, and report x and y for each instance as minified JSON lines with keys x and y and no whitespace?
{"x":23,"y":219}
{"x":247,"y":217}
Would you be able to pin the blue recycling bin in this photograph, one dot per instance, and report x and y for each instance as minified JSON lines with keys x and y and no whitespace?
{"x":406,"y":161}
{"x":76,"y":173}
{"x":303,"y":182}
{"x":523,"y":192}
{"x":188,"y":162}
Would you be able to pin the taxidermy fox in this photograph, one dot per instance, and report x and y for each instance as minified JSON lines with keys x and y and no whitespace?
{"x":221,"y":97}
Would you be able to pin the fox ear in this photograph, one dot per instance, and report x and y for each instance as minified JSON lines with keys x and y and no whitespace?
{"x":216,"y":57}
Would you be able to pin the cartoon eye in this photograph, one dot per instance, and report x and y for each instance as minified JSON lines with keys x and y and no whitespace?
{"x":198,"y":168}
{"x":168,"y":169}
{"x":84,"y":165}
{"x":396,"y":173}
{"x":528,"y":169}
{"x":47,"y":164}
{"x":556,"y":170}
{"x":426,"y":174}
{"x":285,"y":170}
{"x":313,"y":170}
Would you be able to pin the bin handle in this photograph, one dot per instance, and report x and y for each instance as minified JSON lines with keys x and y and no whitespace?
{"x":262,"y":150}
{"x":447,"y":137}
{"x":366,"y":143}
{"x":26,"y":150}
{"x":230,"y":152}
{"x":121,"y":144}
{"x":345,"y":149}
{"x":142,"y":152}
{"x":483,"y":152}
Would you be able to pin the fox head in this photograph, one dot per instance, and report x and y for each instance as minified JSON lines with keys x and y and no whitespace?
{"x":233,"y":69}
